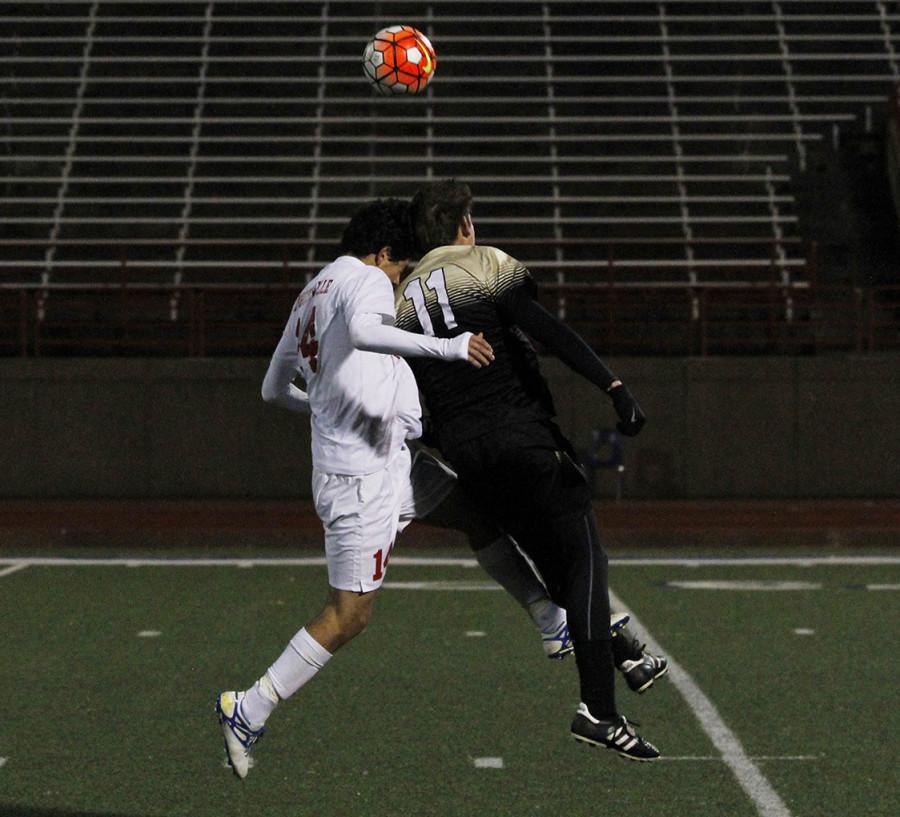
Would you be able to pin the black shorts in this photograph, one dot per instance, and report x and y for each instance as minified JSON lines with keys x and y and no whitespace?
{"x":525,"y":475}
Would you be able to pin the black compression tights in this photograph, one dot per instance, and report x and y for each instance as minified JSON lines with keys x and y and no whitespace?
{"x":575,"y":567}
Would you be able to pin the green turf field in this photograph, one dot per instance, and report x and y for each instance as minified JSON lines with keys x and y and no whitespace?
{"x":99,"y":720}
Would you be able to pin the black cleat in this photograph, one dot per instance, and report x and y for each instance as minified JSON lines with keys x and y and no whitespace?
{"x":614,"y":733}
{"x":641,"y":674}
{"x":640,"y":668}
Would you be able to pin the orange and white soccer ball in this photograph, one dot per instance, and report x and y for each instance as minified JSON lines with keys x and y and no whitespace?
{"x":399,"y":60}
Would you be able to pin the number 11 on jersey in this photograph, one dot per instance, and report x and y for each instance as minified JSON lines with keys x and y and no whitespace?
{"x":415,"y":292}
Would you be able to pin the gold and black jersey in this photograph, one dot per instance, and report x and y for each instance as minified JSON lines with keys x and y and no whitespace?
{"x":457,"y":289}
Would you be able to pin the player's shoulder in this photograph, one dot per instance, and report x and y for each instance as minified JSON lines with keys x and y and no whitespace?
{"x":481,"y":262}
{"x":348,"y":267}
{"x":351,"y":275}
{"x":495,"y":266}
{"x":494,"y":256}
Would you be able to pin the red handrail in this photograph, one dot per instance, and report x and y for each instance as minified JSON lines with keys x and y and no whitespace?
{"x":655,"y":318}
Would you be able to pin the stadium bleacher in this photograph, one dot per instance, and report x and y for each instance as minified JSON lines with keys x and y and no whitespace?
{"x":218,"y":143}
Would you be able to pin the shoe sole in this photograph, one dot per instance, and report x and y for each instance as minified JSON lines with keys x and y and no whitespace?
{"x":641,"y":690}
{"x":224,"y":726}
{"x":596,"y":744}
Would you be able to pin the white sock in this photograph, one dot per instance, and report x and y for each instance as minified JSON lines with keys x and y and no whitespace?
{"x":258,"y":702}
{"x":299,"y":662}
{"x":503,"y":562}
{"x":547,"y":616}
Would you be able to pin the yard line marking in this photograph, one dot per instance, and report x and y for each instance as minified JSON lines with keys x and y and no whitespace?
{"x":149,"y":633}
{"x":754,"y":757}
{"x":803,"y":631}
{"x":14,"y":568}
{"x":475,"y":633}
{"x":751,"y":779}
{"x":464,"y":586}
{"x":3,"y":761}
{"x":883,"y":587}
{"x":447,"y":561}
{"x":757,"y":561}
{"x":308,"y":561}
{"x":763,"y":585}
{"x":488,"y":762}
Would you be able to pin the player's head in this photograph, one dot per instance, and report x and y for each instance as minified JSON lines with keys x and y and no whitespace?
{"x":381,"y":235}
{"x":442,"y":214}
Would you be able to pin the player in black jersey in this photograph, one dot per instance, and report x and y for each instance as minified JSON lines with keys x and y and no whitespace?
{"x":495,"y":426}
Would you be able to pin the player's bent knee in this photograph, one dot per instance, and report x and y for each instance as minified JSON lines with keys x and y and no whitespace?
{"x":354,"y":612}
{"x":358,"y":620}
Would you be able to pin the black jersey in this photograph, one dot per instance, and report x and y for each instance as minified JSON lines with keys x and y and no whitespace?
{"x":457,"y":289}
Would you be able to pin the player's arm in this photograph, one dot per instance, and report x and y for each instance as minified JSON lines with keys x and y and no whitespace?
{"x":278,"y":384}
{"x":369,"y":307}
{"x":570,"y":348}
{"x":374,"y":332}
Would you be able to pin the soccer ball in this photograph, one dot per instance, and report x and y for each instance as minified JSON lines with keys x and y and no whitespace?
{"x":399,"y":60}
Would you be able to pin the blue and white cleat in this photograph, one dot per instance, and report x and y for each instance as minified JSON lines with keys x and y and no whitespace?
{"x":617,"y":621}
{"x":558,"y":644}
{"x":238,"y":734}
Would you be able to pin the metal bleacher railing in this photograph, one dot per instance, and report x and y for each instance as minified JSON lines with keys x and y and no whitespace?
{"x":655,"y":319}
{"x":191,"y":144}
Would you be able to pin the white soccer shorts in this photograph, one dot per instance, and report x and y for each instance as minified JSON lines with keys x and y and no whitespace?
{"x":362,"y":515}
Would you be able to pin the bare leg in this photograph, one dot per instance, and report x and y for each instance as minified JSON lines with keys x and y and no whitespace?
{"x":345,"y":615}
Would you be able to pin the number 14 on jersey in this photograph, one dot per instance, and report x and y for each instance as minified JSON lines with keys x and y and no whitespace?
{"x":308,"y":346}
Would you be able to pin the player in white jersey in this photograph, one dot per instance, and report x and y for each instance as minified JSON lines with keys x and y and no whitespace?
{"x":364,"y":405}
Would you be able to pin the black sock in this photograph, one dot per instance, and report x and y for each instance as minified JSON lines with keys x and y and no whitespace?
{"x":595,"y":667}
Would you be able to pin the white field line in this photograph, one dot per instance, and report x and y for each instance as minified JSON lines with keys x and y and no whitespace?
{"x":751,"y":779}
{"x":883,"y":587}
{"x":2,"y":762}
{"x":13,"y":568}
{"x":307,"y":561}
{"x":442,"y":585}
{"x":440,"y":561}
{"x":759,"y":585}
{"x":488,"y":762}
{"x":720,"y":759}
{"x":758,"y":561}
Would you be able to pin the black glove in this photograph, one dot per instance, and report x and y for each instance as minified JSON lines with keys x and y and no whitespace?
{"x":631,"y":418}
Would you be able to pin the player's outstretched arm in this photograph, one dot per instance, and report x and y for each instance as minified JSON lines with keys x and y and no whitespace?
{"x":278,"y":386}
{"x":571,"y":349}
{"x":370,"y":333}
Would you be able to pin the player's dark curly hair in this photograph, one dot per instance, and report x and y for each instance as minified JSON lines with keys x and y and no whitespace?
{"x":381,"y":223}
{"x":437,"y":210}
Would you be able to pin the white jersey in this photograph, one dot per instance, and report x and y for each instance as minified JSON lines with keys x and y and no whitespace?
{"x":364,"y":405}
